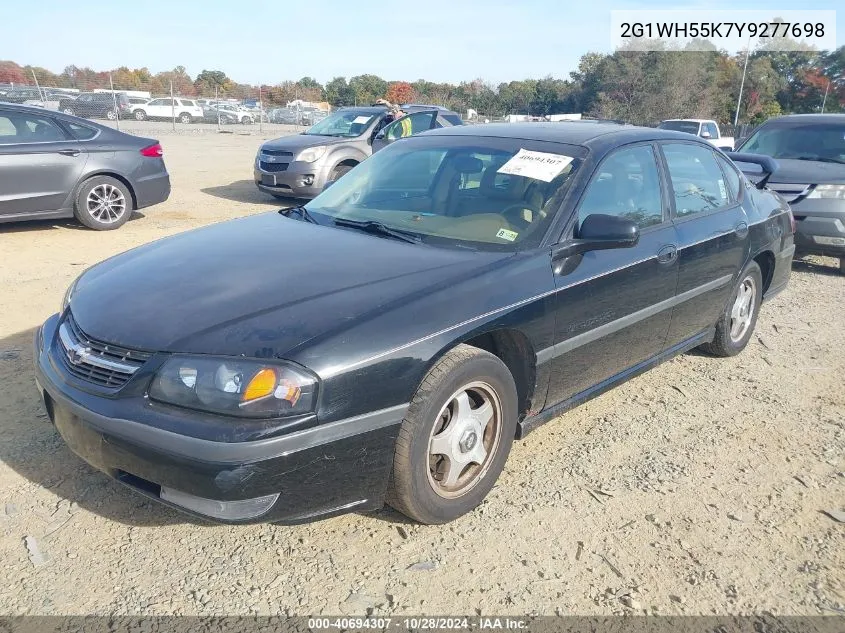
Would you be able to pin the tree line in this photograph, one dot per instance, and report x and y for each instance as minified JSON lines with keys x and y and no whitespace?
{"x":636,"y":86}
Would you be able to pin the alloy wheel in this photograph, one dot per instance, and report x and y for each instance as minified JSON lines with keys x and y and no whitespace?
{"x":742,"y":311}
{"x":464,"y":440}
{"x":106,"y":203}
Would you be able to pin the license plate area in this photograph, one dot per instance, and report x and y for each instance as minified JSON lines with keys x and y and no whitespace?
{"x":268,"y":179}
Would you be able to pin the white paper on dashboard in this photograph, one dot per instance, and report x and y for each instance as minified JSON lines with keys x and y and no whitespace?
{"x":538,"y":165}
{"x":361,"y":119}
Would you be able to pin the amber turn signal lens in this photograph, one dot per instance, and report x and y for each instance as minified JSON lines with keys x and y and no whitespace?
{"x":263,"y":384}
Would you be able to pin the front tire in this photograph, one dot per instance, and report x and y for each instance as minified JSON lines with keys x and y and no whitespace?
{"x":103,"y":203}
{"x":185,"y":118}
{"x":339,"y":171}
{"x":736,"y":325}
{"x":140,"y":115}
{"x":246,"y":121}
{"x":111,"y":115}
{"x":68,"y":111}
{"x":455,"y":438}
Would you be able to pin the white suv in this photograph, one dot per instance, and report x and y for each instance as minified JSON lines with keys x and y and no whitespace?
{"x":185,"y":110}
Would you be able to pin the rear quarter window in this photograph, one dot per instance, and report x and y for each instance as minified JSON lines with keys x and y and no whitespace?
{"x":81,"y":132}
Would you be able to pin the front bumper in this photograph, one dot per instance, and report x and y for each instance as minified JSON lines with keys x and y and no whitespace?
{"x":820,"y":227}
{"x":321,"y":471}
{"x":299,"y":180}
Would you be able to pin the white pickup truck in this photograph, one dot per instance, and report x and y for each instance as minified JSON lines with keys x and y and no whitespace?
{"x":703,"y":128}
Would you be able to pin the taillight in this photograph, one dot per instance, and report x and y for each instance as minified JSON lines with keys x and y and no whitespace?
{"x":792,"y":221}
{"x":153,"y":151}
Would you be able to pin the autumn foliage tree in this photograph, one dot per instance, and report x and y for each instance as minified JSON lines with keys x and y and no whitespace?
{"x":400,"y":92}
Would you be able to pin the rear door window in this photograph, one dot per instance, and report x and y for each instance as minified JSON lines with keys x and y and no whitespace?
{"x":698,"y":184}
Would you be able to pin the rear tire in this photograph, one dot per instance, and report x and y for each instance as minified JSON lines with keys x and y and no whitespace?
{"x":69,"y":111}
{"x":736,"y":325}
{"x":103,"y":203}
{"x":111,"y":115}
{"x":140,"y":115}
{"x":455,"y":438}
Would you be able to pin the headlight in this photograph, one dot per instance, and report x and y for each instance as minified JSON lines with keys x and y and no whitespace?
{"x":828,"y":191}
{"x":236,"y":387}
{"x":68,"y":294}
{"x":312,"y":154}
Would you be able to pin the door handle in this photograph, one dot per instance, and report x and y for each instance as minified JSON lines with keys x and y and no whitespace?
{"x":741,"y":229}
{"x":69,"y":152}
{"x":667,"y":254}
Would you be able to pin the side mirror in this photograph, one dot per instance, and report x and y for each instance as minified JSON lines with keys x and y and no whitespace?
{"x":600,"y":232}
{"x":726,"y":148}
{"x":706,"y":135}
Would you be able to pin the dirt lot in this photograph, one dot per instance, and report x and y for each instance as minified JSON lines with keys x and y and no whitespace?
{"x":714,"y":475}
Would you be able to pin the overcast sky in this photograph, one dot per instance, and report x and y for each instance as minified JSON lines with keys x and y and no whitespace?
{"x":267,"y":41}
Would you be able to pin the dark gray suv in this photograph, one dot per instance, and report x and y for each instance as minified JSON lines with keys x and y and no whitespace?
{"x":58,"y":166}
{"x":300,"y":165}
{"x":810,"y":150}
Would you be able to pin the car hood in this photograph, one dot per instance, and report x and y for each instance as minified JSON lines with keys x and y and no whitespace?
{"x":296,"y":142}
{"x":808,"y":172}
{"x":259,"y":286}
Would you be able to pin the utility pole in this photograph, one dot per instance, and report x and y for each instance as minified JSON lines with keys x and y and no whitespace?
{"x":742,"y":83}
{"x":824,"y":101}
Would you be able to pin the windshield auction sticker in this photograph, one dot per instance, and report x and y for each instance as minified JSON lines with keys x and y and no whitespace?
{"x":536,"y":165}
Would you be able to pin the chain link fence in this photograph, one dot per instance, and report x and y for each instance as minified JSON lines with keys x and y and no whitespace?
{"x":137,"y":102}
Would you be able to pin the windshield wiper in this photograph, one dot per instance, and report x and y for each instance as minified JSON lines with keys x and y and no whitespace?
{"x":377,"y":228}
{"x":821,"y":159}
{"x":303,"y":213}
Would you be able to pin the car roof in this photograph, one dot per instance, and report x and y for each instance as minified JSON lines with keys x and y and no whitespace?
{"x":572,"y":134}
{"x":808,"y":118}
{"x":690,"y":120}
{"x":367,"y":109}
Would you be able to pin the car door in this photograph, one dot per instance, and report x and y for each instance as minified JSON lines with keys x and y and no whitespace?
{"x":713,"y":232}
{"x":405,"y":126}
{"x":613,"y":307}
{"x":158,"y":108}
{"x":39,"y":163}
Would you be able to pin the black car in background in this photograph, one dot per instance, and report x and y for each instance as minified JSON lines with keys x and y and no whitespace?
{"x":19,"y":95}
{"x":58,"y":166}
{"x":391,"y":338}
{"x":97,"y":105}
{"x":810,"y":151}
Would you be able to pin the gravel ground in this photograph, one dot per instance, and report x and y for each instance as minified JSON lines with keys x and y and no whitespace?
{"x":698,"y":488}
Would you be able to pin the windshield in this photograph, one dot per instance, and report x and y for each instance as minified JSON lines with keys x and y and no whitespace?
{"x":346,"y":123}
{"x":457,"y":191}
{"x":690,"y":127}
{"x":812,"y":141}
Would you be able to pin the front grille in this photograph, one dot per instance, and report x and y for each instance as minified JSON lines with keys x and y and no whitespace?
{"x":94,"y":361}
{"x":277,"y":152}
{"x":791,"y":192}
{"x":273,"y":167}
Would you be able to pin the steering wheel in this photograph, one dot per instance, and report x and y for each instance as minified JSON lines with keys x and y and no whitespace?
{"x":515,"y":215}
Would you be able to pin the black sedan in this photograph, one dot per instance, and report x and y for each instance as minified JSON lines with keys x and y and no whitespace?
{"x":57,"y":166}
{"x":389,"y":340}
